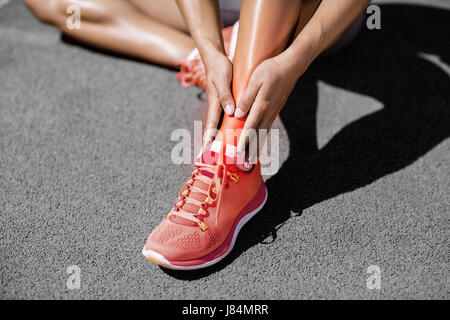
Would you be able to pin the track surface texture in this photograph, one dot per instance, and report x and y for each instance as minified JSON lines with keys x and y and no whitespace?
{"x":85,"y":170}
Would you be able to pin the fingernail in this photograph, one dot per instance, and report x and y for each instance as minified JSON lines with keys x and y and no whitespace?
{"x":229,"y":109}
{"x":247,"y":165}
{"x":239,"y":113}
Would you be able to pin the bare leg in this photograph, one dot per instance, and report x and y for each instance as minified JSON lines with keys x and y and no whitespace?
{"x":165,"y":11}
{"x":308,"y":9}
{"x":119,"y":26}
{"x":265,"y":29}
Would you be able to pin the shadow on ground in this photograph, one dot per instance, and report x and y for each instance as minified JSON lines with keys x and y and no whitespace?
{"x":384,"y":64}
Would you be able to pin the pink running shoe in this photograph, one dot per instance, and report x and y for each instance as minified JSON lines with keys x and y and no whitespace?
{"x":212,"y":207}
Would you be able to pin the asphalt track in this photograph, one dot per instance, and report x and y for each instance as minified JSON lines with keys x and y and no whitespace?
{"x":85,"y":170}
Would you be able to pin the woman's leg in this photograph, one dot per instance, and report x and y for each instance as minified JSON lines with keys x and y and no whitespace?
{"x":120,"y":26}
{"x":265,"y":29}
{"x":165,"y":11}
{"x":308,"y":9}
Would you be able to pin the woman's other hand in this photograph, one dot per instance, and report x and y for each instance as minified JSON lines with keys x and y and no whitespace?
{"x":268,"y":90}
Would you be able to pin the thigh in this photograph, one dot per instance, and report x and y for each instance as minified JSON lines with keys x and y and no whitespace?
{"x":55,"y":11}
{"x":166,"y":12}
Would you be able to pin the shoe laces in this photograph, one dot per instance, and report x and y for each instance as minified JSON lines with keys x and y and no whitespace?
{"x":192,"y":72}
{"x":203,"y":190}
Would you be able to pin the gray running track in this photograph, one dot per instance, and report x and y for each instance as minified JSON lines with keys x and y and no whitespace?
{"x":85,"y":170}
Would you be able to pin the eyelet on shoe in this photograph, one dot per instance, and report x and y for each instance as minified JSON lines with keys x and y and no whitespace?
{"x":209,"y":201}
{"x":201,"y":211}
{"x":202,"y":225}
{"x":235,"y":177}
{"x":179,"y":203}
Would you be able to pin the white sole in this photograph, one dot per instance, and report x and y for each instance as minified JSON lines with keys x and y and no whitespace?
{"x":162,"y":261}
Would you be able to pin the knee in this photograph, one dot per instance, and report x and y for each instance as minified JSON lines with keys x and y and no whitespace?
{"x":45,"y":10}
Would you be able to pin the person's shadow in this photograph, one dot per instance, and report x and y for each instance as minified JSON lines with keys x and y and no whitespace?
{"x":384,"y":64}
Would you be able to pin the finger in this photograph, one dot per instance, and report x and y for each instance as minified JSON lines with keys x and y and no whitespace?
{"x":246,"y":163}
{"x":247,"y":100}
{"x":251,"y":124}
{"x":213,"y":117}
{"x":223,"y":87}
{"x":263,"y":130}
{"x":267,"y":122}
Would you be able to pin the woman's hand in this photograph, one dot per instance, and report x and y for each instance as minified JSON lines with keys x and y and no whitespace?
{"x":268,"y":90}
{"x":205,"y":24}
{"x":219,"y":73}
